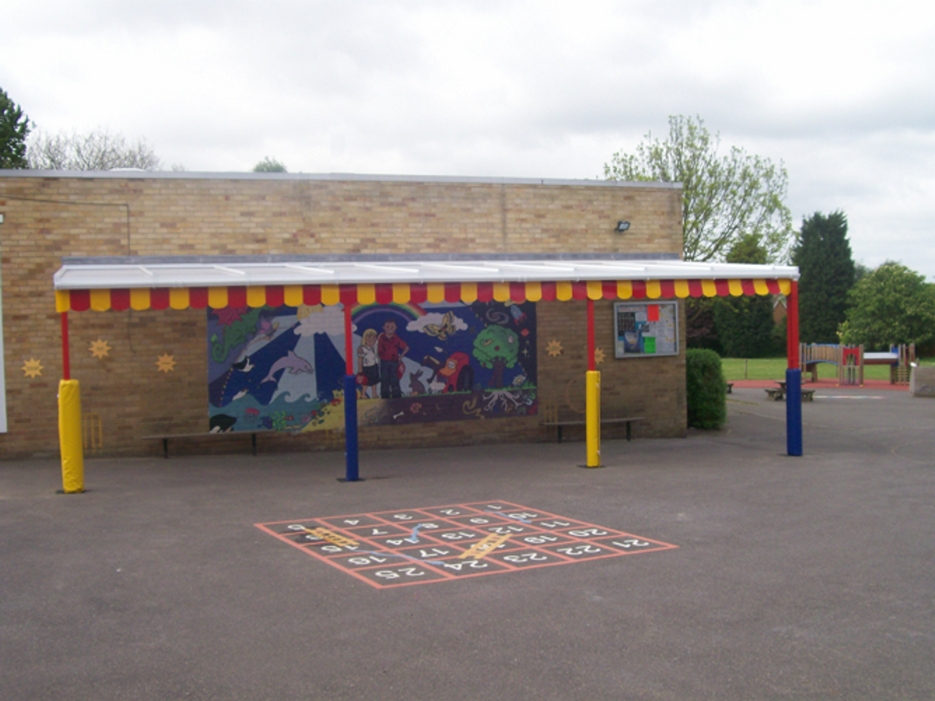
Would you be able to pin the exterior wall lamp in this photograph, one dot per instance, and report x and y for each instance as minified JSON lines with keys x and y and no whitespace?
{"x":622,"y":226}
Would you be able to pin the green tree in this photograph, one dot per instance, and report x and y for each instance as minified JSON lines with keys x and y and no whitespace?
{"x":723,"y":197}
{"x":891,"y":305}
{"x":96,"y":150}
{"x":14,"y":128}
{"x":269,"y":165}
{"x":827,"y":273}
{"x":745,"y":326}
{"x":496,"y":347}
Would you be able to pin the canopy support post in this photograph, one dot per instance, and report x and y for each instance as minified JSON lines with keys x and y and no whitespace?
{"x":350,"y":402}
{"x":69,"y":422}
{"x":793,"y":375}
{"x":592,"y":397}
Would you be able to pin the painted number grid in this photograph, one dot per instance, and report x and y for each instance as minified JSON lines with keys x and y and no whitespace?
{"x":443,"y":543}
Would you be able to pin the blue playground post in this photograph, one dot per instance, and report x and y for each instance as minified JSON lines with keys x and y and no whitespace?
{"x":350,"y":401}
{"x":350,"y":427}
{"x":794,"y":411}
{"x":793,"y":374}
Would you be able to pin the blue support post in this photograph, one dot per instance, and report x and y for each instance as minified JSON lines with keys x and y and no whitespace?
{"x":350,"y":400}
{"x":793,"y":374}
{"x":794,"y":411}
{"x":350,"y":428}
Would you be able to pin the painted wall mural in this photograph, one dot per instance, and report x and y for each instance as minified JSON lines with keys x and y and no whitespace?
{"x":3,"y":420}
{"x":283,"y":368}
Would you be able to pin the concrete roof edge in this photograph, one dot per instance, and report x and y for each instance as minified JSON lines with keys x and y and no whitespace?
{"x":361,"y":258}
{"x":333,"y":177}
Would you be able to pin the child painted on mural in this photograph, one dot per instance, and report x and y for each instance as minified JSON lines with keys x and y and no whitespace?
{"x":368,"y":363}
{"x":391,"y":349}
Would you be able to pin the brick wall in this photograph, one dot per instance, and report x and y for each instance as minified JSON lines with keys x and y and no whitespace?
{"x":47,"y":218}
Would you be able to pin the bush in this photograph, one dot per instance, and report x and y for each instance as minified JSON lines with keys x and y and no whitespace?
{"x":706,"y":389}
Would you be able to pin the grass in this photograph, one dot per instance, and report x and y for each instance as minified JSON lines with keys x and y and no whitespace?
{"x":775,"y":369}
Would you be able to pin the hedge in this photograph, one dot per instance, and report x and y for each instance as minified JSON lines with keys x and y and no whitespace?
{"x":706,"y":389}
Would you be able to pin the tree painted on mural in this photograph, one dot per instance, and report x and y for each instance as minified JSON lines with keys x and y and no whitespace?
{"x":497,"y":348}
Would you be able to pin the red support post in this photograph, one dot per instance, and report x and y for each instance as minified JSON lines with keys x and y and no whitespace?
{"x":792,"y":327}
{"x":66,"y":361}
{"x":348,"y":342}
{"x":793,"y":376}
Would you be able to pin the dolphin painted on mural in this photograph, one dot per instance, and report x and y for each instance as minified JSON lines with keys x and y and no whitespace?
{"x":291,"y":362}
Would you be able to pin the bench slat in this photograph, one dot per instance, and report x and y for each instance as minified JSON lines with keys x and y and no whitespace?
{"x":166,"y":437}
{"x":578,"y":422}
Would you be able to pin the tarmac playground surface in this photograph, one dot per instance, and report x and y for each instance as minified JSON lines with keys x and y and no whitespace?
{"x":790,"y":578}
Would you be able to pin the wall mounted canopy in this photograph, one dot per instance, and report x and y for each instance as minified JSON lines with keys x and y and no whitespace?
{"x":178,"y":283}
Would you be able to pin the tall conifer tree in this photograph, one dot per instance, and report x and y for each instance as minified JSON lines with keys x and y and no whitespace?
{"x":826,"y":271}
{"x":14,"y":127}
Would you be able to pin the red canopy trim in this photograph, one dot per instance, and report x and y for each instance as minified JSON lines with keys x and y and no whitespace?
{"x":403,"y":293}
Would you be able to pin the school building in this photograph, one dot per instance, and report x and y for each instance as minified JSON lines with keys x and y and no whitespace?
{"x":455,"y":310}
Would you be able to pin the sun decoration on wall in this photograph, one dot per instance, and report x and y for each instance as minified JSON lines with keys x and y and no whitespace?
{"x":554,"y":348}
{"x":166,"y":363}
{"x":32,"y":368}
{"x":99,"y":349}
{"x":599,"y":356}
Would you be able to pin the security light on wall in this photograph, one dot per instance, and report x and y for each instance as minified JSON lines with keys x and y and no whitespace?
{"x":1,"y":217}
{"x":622,"y":226}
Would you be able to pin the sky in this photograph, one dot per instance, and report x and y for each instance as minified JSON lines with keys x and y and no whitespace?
{"x":842,"y":93}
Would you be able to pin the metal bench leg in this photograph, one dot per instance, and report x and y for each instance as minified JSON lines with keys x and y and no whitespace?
{"x":165,"y":448}
{"x":559,"y":433}
{"x":628,"y":430}
{"x":253,"y":441}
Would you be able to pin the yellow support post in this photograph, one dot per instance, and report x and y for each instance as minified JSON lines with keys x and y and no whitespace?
{"x":69,"y":435}
{"x":593,"y":417}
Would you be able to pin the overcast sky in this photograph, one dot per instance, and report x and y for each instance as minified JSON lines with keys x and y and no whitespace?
{"x":842,"y":92}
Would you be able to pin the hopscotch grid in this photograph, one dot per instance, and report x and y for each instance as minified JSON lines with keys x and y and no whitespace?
{"x":399,"y":562}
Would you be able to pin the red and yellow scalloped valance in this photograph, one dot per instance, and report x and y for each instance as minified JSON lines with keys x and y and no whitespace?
{"x":404,"y":293}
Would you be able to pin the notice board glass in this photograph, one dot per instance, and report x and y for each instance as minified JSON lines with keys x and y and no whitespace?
{"x":646,"y":330}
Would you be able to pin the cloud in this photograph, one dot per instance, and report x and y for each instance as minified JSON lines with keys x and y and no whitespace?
{"x":839,"y":91}
{"x":328,"y":320}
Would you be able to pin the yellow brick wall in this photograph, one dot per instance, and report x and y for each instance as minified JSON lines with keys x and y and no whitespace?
{"x":48,"y":218}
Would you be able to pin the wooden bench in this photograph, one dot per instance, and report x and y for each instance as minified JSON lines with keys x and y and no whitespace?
{"x":779,"y":393}
{"x":776,"y":393}
{"x":559,"y":424}
{"x":166,"y":437}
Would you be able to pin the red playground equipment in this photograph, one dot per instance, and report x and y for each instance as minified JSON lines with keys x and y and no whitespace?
{"x":850,"y":361}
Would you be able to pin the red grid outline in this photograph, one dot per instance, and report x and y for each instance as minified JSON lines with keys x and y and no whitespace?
{"x":425,"y":545}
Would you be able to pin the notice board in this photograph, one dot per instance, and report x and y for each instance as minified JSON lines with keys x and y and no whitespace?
{"x":645,"y":330}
